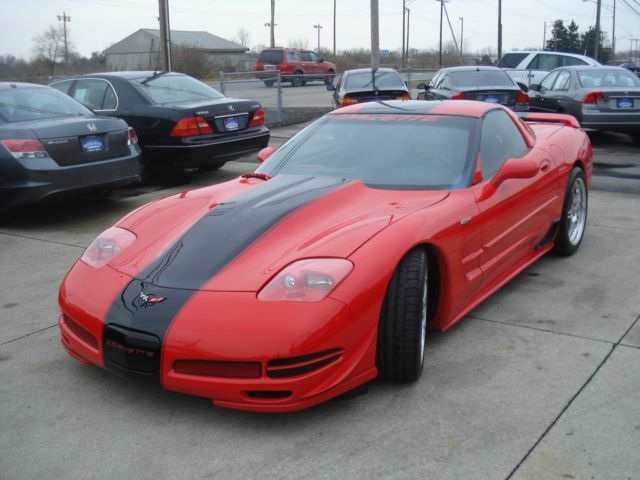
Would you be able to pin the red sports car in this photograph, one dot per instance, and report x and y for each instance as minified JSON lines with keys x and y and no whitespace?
{"x":326,"y":267}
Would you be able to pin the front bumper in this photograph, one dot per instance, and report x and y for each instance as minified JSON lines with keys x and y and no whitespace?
{"x":336,"y":342}
{"x":201,"y":152}
{"x":33,"y":180}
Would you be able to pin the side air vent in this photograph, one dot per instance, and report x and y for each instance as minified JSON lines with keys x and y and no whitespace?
{"x":80,"y":332}
{"x":293,"y":366}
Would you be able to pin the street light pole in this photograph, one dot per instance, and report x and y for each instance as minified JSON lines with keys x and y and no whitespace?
{"x":272,"y":23}
{"x":441,"y":13}
{"x":408,"y":25}
{"x":334,"y":31}
{"x":375,"y":35}
{"x":404,"y":9}
{"x":64,"y":19}
{"x":613,"y":34}
{"x":499,"y":29}
{"x":318,"y":27}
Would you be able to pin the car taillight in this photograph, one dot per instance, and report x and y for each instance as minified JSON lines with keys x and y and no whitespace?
{"x":258,"y":118}
{"x":109,"y":244}
{"x":189,"y":126}
{"x":25,"y":148}
{"x":593,"y":98}
{"x":310,"y":280}
{"x":284,"y":67}
{"x":458,"y":96}
{"x":404,"y":96}
{"x":522,"y":98}
{"x":132,"y":137}
{"x":347,"y":100}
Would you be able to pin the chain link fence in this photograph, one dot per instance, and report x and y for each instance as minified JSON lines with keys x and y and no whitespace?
{"x":289,"y":99}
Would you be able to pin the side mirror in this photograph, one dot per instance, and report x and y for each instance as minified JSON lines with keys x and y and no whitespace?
{"x":523,"y":87}
{"x":421,"y":86}
{"x":265,"y":153}
{"x":320,"y":60}
{"x":534,"y":86}
{"x":515,"y":168}
{"x":331,"y":87}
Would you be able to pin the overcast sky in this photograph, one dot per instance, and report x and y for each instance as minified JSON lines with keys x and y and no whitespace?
{"x":96,"y":24}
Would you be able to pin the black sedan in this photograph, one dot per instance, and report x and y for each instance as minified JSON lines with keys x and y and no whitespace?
{"x":181,"y":122}
{"x":51,"y":144}
{"x":368,"y":85}
{"x":487,"y":84}
{"x":601,"y":98}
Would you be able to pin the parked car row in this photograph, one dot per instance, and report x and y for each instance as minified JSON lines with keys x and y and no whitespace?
{"x":100,"y":131}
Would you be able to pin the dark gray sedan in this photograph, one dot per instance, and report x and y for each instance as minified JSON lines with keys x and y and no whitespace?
{"x":51,"y":145}
{"x":601,"y":98}
{"x":368,"y":85}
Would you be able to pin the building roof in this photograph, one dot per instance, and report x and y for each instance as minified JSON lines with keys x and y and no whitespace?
{"x":201,"y":40}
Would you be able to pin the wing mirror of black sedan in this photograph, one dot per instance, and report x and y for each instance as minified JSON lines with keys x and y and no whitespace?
{"x":422,"y":86}
{"x":265,"y":153}
{"x":533,"y":87}
{"x":523,"y":87}
{"x":515,"y":168}
{"x":331,"y":87}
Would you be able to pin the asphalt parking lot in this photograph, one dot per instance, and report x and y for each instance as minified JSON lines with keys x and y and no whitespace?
{"x":541,"y":381}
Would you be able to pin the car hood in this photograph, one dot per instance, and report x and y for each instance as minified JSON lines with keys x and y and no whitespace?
{"x":236,"y":235}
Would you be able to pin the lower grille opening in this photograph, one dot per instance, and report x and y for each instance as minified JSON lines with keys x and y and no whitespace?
{"x":210,"y":368}
{"x":293,"y":366}
{"x":269,"y":394}
{"x":80,"y":332}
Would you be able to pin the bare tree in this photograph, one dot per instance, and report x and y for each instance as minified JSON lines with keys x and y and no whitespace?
{"x":299,"y":43}
{"x":190,"y":60}
{"x":49,"y":46}
{"x":243,"y":37}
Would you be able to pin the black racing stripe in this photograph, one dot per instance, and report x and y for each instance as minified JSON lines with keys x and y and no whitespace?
{"x":207,"y":247}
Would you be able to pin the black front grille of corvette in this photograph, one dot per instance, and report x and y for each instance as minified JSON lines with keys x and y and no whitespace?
{"x":128,"y":350}
{"x":293,"y":366}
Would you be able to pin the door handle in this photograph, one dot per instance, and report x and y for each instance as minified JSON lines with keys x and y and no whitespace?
{"x":546,"y":164}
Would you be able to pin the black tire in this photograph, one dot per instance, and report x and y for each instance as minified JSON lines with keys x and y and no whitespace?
{"x":297,"y":80}
{"x":210,"y":167}
{"x":636,"y":138}
{"x":269,"y":83}
{"x":328,"y":80}
{"x":574,"y":216}
{"x":402,"y":328}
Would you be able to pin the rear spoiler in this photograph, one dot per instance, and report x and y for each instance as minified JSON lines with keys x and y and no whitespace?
{"x":566,"y":120}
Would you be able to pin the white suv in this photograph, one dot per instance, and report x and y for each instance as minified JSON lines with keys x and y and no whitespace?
{"x":529,"y":67}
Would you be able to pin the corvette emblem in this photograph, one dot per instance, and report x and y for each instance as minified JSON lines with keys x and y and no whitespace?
{"x":92,"y":127}
{"x":231,"y":108}
{"x":145,"y":299}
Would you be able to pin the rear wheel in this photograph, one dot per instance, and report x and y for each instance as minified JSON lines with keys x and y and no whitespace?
{"x":574,"y":215}
{"x":297,"y":80}
{"x":403,"y":320}
{"x":328,"y":80}
{"x":269,"y":83}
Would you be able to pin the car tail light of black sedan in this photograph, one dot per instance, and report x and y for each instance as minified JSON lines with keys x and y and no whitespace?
{"x":52,"y":145}
{"x":181,"y":122}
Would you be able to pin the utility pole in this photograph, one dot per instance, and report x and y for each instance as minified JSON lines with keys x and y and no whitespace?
{"x":404,"y":9}
{"x":596,"y":50}
{"x":375,"y":37}
{"x":461,"y":34}
{"x":499,"y":29}
{"x":64,"y":19}
{"x":441,"y":14}
{"x":408,"y":25}
{"x":334,"y":31}
{"x":544,"y":37}
{"x":165,"y":35}
{"x":272,"y":23}
{"x":318,"y":27}
{"x":613,"y":34}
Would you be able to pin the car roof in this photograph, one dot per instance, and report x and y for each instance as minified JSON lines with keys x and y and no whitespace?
{"x":127,"y":74}
{"x":582,"y":68}
{"x":466,"y":108}
{"x":365,"y":70}
{"x":473,"y":68}
{"x":21,"y":85}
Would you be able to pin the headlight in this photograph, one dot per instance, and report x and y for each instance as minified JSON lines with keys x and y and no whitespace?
{"x":108,"y":245}
{"x":310,"y":280}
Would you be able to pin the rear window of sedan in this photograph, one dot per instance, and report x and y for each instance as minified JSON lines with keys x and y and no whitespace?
{"x":369,"y":81}
{"x":166,"y":89}
{"x":392,"y":151}
{"x":607,"y":78}
{"x":480,"y":78}
{"x":20,"y":104}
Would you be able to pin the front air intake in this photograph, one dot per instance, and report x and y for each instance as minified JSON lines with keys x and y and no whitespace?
{"x":294,"y":366}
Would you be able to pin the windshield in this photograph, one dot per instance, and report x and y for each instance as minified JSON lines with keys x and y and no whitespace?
{"x":393,"y":151}
{"x":365,"y":80}
{"x":480,"y":78}
{"x":163,"y":89}
{"x":608,"y":78}
{"x":20,"y":104}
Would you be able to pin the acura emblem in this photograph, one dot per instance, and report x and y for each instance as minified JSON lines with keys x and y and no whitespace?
{"x":92,"y":127}
{"x":231,"y":108}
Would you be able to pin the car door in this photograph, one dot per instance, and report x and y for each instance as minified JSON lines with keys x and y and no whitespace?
{"x":557,"y":98}
{"x":307,"y":63}
{"x":316,"y":64}
{"x":537,"y":99}
{"x":517,"y":215}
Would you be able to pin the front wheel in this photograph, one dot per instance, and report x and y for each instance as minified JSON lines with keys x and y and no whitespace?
{"x":574,"y":215}
{"x":328,"y":80}
{"x":403,"y":320}
{"x":297,"y":80}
